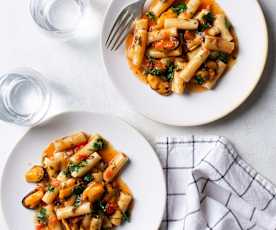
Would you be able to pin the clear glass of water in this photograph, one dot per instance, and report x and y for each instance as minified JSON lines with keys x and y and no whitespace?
{"x":59,"y":17}
{"x":24,"y":97}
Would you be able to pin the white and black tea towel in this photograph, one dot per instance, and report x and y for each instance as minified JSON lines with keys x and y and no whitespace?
{"x":209,"y":187}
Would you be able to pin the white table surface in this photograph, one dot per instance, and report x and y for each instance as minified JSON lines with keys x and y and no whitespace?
{"x":79,"y":82}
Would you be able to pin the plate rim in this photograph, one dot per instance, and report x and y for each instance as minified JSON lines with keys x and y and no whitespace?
{"x":207,"y":121}
{"x":107,"y":115}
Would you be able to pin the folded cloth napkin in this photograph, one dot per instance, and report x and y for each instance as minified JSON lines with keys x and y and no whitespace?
{"x":210,"y":187}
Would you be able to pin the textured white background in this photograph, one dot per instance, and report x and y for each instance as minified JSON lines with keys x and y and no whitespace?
{"x":78,"y":81}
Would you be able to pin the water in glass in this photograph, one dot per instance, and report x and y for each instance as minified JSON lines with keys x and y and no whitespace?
{"x":24,"y":97}
{"x":61,"y":17}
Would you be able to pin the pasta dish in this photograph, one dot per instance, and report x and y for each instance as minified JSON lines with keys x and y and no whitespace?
{"x":77,"y":185}
{"x":181,"y":46}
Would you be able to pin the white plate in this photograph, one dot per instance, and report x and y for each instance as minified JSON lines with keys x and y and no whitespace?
{"x":144,"y":174}
{"x":196,"y":109}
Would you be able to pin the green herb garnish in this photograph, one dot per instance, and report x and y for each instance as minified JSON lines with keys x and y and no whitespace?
{"x":203,"y":27}
{"x":76,"y":167}
{"x":151,"y":15}
{"x":78,"y":190}
{"x":50,"y":188}
{"x":170,"y":71}
{"x":77,"y":202}
{"x":208,"y":18}
{"x":199,"y":80}
{"x":179,"y":8}
{"x":99,"y":207}
{"x":224,"y":57}
{"x":154,"y":72}
{"x":99,"y":144}
{"x":126,"y":217}
{"x":42,"y":216}
{"x":214,"y":55}
{"x":87,"y":178}
{"x":228,"y":24}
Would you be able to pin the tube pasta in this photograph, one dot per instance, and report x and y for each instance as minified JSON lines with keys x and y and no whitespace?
{"x":193,"y":65}
{"x":91,"y":147}
{"x":87,"y":165}
{"x":79,"y":194}
{"x":50,"y":195}
{"x":116,"y":218}
{"x":180,"y":23}
{"x":140,"y":41}
{"x":157,"y":35}
{"x":192,"y":7}
{"x":70,"y":141}
{"x":114,"y":167}
{"x":221,"y":69}
{"x":193,"y":44}
{"x":213,"y":31}
{"x":178,"y":84}
{"x":71,"y":211}
{"x":220,"y":23}
{"x":124,"y":201}
{"x":154,"y":53}
{"x":137,"y":49}
{"x":96,"y":223}
{"x":193,"y":53}
{"x":219,"y":44}
{"x":160,"y":6}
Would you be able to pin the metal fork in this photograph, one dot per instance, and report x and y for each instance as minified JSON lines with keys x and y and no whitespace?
{"x":122,"y":25}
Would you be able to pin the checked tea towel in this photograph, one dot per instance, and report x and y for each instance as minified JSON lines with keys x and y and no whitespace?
{"x":210,"y":187}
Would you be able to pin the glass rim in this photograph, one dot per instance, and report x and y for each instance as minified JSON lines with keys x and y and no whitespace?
{"x":55,"y":32}
{"x":37,"y":79}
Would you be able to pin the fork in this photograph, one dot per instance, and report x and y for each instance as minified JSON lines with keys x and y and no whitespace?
{"x":122,"y":25}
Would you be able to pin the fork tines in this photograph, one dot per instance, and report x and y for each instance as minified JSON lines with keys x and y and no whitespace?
{"x":119,"y":30}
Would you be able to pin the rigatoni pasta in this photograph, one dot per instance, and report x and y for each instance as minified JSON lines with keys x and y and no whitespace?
{"x":79,"y":188}
{"x":196,"y":31}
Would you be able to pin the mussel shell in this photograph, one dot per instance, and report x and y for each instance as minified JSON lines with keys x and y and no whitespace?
{"x":25,"y":197}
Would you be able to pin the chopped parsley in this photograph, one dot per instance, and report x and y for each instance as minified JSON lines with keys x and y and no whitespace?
{"x":199,"y":80}
{"x":78,"y":190}
{"x":76,"y":167}
{"x":66,"y":172}
{"x":179,"y":8}
{"x":228,"y":24}
{"x":208,"y":22}
{"x":208,"y":18}
{"x":151,"y":15}
{"x":42,"y":216}
{"x":98,"y":207}
{"x":77,"y":202}
{"x":126,"y":217}
{"x":50,"y":188}
{"x":154,"y":72}
{"x":170,"y":71}
{"x":87,"y":178}
{"x":98,"y":144}
{"x":203,"y":27}
{"x":224,"y":57}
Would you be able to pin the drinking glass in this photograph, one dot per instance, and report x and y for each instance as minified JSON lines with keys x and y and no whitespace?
{"x":59,"y":17}
{"x":24,"y":97}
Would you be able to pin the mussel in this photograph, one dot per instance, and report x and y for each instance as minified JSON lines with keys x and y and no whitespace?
{"x":33,"y":199}
{"x":35,"y":174}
